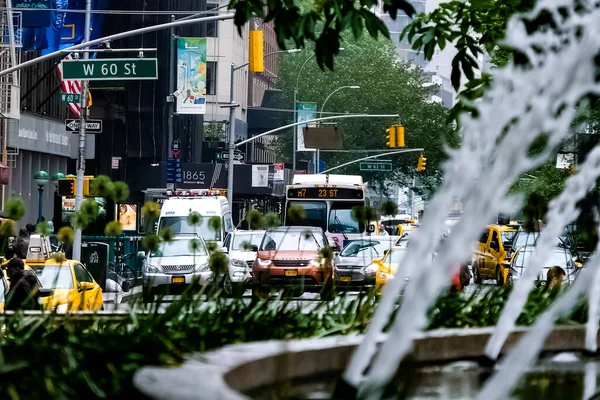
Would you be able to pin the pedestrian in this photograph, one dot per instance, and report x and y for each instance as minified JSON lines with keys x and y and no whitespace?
{"x":554,"y":278}
{"x":21,"y":244}
{"x":24,"y":287}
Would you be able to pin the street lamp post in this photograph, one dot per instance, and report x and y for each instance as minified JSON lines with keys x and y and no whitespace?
{"x":232,"y":106}
{"x":295,"y":139}
{"x":41,"y":178}
{"x":318,"y":155}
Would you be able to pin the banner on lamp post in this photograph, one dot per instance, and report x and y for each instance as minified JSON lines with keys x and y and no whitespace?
{"x":306,"y":111}
{"x":191,"y":76}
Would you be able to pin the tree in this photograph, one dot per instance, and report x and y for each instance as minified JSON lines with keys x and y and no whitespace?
{"x":387,"y":86}
{"x":298,"y":24}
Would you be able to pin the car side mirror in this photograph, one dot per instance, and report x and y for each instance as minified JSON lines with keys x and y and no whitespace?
{"x":83,"y":286}
{"x":45,"y":292}
{"x":371,"y":228}
{"x":254,"y":248}
{"x":141,"y":255}
{"x":377,"y":260}
{"x":222,"y":249}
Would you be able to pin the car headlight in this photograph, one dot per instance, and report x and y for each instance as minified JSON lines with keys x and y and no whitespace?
{"x":263,"y":262}
{"x":315,"y":263}
{"x":372,"y":268}
{"x":62,"y":308}
{"x":152,"y":269}
{"x":202,"y":267}
{"x":238,"y":263}
{"x":383,"y":275}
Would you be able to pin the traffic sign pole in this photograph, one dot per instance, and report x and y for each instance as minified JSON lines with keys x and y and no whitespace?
{"x":82,"y":123}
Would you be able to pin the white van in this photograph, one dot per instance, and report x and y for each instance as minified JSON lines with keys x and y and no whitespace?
{"x":175,"y":211}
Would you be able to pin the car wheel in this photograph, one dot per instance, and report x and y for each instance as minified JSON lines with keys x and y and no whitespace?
{"x":259,"y":292}
{"x":499,"y":277}
{"x":227,"y":286}
{"x":328,"y":292}
{"x":476,"y":275}
{"x":147,"y":295}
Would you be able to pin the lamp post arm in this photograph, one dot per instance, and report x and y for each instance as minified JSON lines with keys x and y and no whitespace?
{"x":370,"y":157}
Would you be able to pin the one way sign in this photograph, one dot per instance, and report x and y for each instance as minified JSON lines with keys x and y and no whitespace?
{"x":91,"y":125}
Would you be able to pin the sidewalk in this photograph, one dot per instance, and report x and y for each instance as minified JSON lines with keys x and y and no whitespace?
{"x":123,"y":297}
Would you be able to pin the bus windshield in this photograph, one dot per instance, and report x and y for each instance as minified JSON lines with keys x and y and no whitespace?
{"x":316,"y":213}
{"x":340,"y":218}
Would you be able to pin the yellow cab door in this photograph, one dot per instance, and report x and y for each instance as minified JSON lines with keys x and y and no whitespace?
{"x":482,"y":250}
{"x":89,"y":297}
{"x":493,"y":257}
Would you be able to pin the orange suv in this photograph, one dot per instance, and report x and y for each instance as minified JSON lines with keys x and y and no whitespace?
{"x":290,"y":258}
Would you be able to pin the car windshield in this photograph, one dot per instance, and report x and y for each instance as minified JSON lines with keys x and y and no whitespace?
{"x":362,"y":248}
{"x":395,"y":255}
{"x":180,"y":247}
{"x":294,"y":240}
{"x":507,"y":236}
{"x":181,"y":226}
{"x":243,"y":242}
{"x":559,"y":257}
{"x":55,"y":277}
{"x":341,"y":221}
{"x":525,"y":239}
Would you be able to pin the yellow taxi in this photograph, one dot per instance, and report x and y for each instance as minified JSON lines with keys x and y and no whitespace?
{"x":388,"y":264}
{"x":488,"y":261}
{"x":72,"y":287}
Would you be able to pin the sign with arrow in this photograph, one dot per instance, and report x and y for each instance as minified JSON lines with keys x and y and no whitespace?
{"x":237,"y":156}
{"x":91,"y":125}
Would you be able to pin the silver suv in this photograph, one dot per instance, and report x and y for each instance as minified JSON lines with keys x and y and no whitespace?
{"x":174,"y":266}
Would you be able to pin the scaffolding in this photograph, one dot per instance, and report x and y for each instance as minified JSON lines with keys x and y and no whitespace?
{"x":11,"y":40}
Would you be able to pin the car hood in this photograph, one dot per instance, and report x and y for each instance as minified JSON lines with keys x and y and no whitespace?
{"x":177,"y":260}
{"x":353,"y":261}
{"x":289,"y":255}
{"x":58,"y":297}
{"x":243,"y":255}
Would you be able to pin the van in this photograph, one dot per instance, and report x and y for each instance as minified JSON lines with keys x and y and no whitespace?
{"x":175,"y":211}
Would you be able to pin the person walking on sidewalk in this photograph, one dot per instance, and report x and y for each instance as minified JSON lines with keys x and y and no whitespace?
{"x":24,"y":287}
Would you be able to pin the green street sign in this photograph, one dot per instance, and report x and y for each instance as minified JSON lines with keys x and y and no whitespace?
{"x":70,"y":98}
{"x":110,"y":69}
{"x":379,"y":166}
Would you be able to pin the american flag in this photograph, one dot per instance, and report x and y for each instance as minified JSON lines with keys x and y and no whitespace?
{"x":71,"y":87}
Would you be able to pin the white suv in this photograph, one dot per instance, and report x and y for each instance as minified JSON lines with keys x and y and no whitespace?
{"x":238,"y":245}
{"x":174,"y":266}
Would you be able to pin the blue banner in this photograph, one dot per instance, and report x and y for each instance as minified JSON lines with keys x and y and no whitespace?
{"x":65,"y":28}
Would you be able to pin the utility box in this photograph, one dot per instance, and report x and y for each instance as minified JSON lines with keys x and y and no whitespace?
{"x":95,"y":257}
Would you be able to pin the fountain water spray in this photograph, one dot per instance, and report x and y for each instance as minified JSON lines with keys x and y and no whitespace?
{"x":562,"y":211}
{"x":523,"y":103}
{"x":524,"y":354}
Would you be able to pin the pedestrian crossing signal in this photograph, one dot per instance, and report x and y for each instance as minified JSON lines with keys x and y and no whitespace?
{"x":66,"y":187}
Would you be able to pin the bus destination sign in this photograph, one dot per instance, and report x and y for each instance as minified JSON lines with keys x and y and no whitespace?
{"x":325,"y":193}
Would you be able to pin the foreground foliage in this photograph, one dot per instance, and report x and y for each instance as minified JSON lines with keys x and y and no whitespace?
{"x":96,"y":356}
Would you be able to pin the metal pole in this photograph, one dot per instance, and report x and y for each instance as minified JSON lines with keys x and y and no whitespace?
{"x":317,"y":120}
{"x":369,"y":157}
{"x":116,"y":36}
{"x":82,"y":121}
{"x":231,"y":140}
{"x":412,"y":197}
{"x":171,"y":88}
{"x":294,"y":144}
{"x":40,"y":203}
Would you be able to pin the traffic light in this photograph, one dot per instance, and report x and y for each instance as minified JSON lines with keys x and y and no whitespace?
{"x":422,"y":165}
{"x":257,"y":57}
{"x":391,"y":136}
{"x":66,"y":187}
{"x":400,"y":135}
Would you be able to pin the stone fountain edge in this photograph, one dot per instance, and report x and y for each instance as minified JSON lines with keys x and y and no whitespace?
{"x":225,"y":373}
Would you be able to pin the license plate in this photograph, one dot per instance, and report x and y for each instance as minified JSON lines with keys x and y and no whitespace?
{"x":346,"y":278}
{"x":291,"y":272}
{"x":178,"y":279}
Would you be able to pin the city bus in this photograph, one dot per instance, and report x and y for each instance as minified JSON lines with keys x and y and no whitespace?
{"x":328,"y":201}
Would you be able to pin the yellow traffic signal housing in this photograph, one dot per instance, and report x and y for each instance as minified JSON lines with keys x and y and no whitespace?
{"x":89,"y":102}
{"x":422,"y":165}
{"x":391,"y":136}
{"x":257,"y":48}
{"x":400,"y":135}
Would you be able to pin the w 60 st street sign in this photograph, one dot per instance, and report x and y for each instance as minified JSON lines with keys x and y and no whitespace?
{"x":110,"y":68}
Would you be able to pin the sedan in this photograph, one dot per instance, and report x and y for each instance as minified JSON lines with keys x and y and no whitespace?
{"x":560,"y":257}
